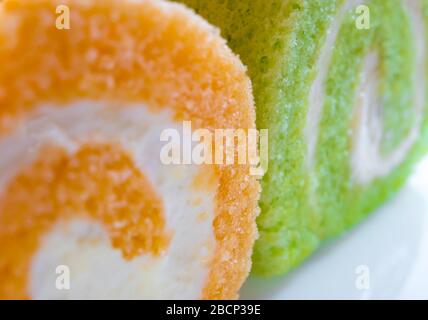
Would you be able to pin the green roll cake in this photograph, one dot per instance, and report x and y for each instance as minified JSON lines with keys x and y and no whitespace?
{"x":341,"y":87}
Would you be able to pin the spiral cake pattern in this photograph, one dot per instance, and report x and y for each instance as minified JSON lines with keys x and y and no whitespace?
{"x":340,"y":84}
{"x":82,"y":184}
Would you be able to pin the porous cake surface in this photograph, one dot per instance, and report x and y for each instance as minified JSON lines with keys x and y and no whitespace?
{"x":81,"y":180}
{"x":340,"y":84}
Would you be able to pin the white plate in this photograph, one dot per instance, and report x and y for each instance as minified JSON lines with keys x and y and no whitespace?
{"x":385,"y":257}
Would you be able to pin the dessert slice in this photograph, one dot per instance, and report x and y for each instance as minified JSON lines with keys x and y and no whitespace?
{"x":88,"y":206}
{"x":341,"y":86}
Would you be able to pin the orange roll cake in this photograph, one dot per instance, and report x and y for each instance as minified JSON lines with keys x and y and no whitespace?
{"x":88,"y":209}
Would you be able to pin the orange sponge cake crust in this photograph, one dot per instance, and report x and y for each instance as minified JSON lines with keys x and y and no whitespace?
{"x":123,"y":53}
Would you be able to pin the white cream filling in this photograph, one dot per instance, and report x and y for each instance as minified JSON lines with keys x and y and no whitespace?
{"x":366,"y":160}
{"x":97,"y":270}
{"x":367,"y":163}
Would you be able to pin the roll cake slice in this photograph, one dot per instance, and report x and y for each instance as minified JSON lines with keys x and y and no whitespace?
{"x":88,"y":209}
{"x":341,"y":86}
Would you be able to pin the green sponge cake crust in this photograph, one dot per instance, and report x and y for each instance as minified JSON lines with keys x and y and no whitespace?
{"x":388,"y":44}
{"x":343,"y":105}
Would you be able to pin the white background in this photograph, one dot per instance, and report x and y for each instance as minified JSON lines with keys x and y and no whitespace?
{"x":392,"y":244}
